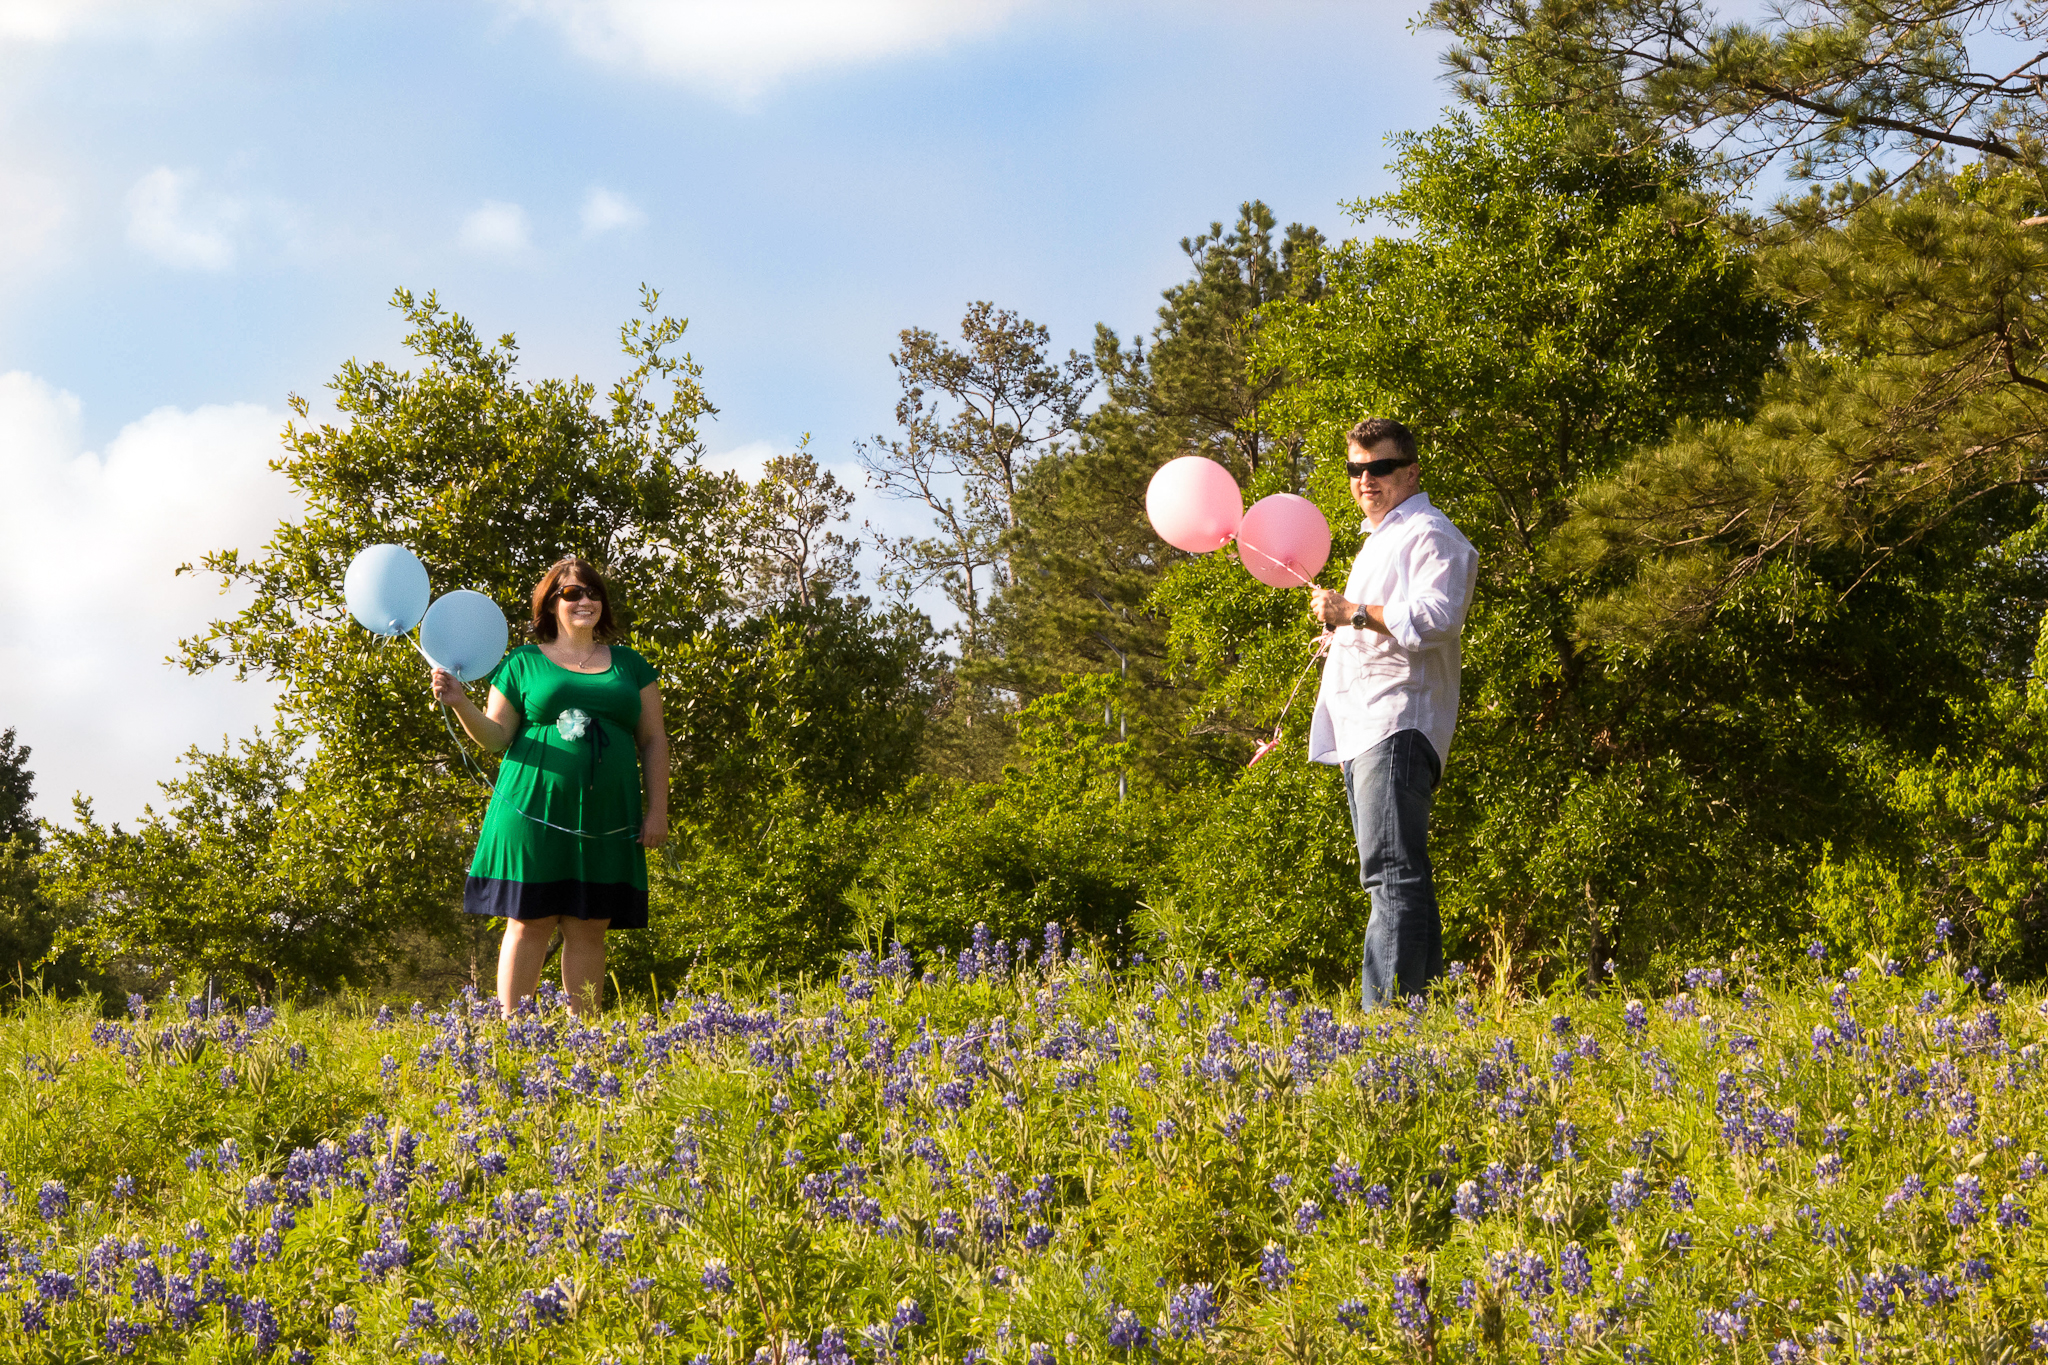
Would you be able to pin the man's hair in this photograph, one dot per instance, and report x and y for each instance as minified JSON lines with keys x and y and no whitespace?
{"x":1374,"y":430}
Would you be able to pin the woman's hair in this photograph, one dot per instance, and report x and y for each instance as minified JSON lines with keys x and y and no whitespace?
{"x":544,"y":626}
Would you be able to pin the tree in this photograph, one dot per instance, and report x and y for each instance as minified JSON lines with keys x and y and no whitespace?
{"x":973,"y":421}
{"x":1085,"y":561}
{"x":791,"y":553}
{"x":362,"y":843}
{"x":17,"y":790}
{"x":1840,"y":85}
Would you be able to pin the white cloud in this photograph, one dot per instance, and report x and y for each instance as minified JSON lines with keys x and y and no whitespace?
{"x":497,"y":229}
{"x":603,"y":211}
{"x":56,"y":21}
{"x":168,"y":222}
{"x":738,"y":50}
{"x":746,"y":460}
{"x":93,"y":538}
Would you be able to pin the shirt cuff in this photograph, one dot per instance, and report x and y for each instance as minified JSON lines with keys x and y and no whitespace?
{"x":1400,"y":619}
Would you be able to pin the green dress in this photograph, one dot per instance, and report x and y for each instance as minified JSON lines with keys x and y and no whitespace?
{"x":561,"y":836}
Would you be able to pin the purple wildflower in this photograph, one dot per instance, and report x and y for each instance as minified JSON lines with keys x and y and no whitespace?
{"x":1191,"y":1312}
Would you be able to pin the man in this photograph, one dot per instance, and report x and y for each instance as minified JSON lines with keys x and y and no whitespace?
{"x":1389,"y":698}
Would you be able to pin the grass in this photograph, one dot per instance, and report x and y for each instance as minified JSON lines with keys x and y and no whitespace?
{"x":1024,"y":1156}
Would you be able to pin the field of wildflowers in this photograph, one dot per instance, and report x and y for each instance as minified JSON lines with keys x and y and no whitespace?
{"x":1022,"y":1155}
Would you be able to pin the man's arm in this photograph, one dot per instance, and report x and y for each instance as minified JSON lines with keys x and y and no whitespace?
{"x":1432,"y":610}
{"x":1439,"y":591}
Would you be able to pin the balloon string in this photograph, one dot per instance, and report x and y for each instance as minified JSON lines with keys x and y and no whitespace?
{"x":1322,"y":648}
{"x":486,"y":784}
{"x":1281,"y":564}
{"x":483,"y":780}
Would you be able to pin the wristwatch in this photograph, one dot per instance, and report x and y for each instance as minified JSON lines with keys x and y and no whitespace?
{"x":1359,"y":619}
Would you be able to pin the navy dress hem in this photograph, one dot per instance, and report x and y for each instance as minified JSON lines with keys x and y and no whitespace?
{"x":624,"y":904}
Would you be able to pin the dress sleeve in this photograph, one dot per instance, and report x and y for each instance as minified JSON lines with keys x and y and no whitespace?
{"x":508,"y":676}
{"x":638,"y":669}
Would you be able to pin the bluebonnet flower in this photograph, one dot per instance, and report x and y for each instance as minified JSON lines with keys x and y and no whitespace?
{"x":1635,"y":1018}
{"x":1678,"y":1241}
{"x":423,"y":1317}
{"x":1817,"y":950}
{"x":258,"y":1319}
{"x":1681,"y":1193}
{"x":1730,"y":1327}
{"x":1307,"y":1217}
{"x":33,"y":1319}
{"x":122,"y":1335}
{"x":717,"y":1278}
{"x":1828,"y":1170}
{"x":1378,"y":1197}
{"x":1625,"y":1195}
{"x":55,"y":1286}
{"x":909,"y":1313}
{"x":1163,"y":1131}
{"x":1575,"y":1269}
{"x":1410,"y":1301}
{"x":124,"y":1187}
{"x":52,"y":1200}
{"x":1037,"y":1237}
{"x":1276,"y":1271}
{"x":1968,"y":1206}
{"x":1562,"y":1138}
{"x":1466,"y":1204}
{"x":1191,"y":1312}
{"x":1352,"y":1315}
{"x":1126,"y":1332}
{"x":2013,"y":1214}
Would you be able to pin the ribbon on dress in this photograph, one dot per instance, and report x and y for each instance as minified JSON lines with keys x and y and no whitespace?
{"x":575,"y":724}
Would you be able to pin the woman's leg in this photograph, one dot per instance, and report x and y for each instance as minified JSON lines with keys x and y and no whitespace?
{"x":583,"y":963}
{"x":520,"y":956}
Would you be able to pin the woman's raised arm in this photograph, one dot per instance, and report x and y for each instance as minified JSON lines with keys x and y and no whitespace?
{"x":492,"y":728}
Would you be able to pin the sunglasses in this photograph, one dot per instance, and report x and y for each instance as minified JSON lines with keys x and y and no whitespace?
{"x":1379,"y":469}
{"x":576,"y":592}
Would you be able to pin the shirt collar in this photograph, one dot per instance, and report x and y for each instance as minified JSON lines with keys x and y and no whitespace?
{"x":1415,"y":501}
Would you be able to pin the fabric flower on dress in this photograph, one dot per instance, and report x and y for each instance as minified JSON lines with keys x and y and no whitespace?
{"x":573,"y":723}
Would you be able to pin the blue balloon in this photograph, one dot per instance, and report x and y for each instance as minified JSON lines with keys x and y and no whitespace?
{"x":386,"y":587}
{"x":465,"y":633}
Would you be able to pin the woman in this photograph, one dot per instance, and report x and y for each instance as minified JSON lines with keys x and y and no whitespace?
{"x":563,"y":844}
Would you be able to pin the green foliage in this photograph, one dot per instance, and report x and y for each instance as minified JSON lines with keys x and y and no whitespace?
{"x":1038,"y":1150}
{"x":227,"y":881}
{"x":1839,"y":85}
{"x":798,"y":725}
{"x":1056,"y":839}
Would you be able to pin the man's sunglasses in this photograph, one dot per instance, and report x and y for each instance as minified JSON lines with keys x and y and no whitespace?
{"x":576,"y":592}
{"x":1379,"y":469}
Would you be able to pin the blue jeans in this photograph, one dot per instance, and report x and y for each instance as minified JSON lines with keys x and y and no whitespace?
{"x":1389,"y":787}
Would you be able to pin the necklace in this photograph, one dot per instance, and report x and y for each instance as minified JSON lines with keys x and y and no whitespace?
{"x":584,"y":665}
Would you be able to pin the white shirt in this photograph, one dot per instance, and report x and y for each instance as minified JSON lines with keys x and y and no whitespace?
{"x":1421,"y":568}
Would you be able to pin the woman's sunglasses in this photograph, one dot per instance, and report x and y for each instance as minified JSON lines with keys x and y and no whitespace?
{"x":576,"y":592}
{"x":1379,"y":469}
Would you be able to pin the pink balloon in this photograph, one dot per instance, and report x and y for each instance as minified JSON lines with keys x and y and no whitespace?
{"x":1284,"y":541}
{"x":1194,"y":504}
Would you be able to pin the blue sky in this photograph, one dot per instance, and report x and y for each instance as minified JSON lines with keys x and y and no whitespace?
{"x":205,"y":206}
